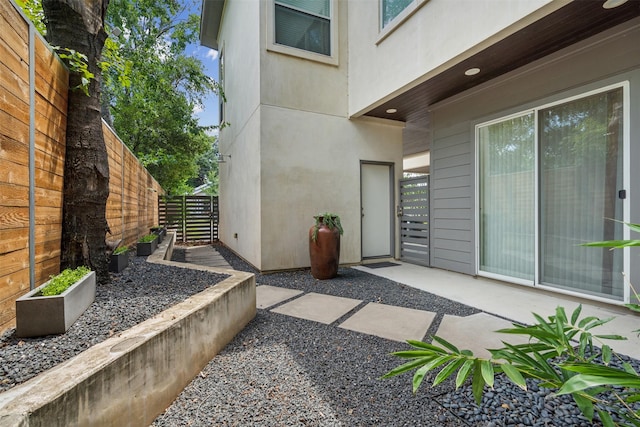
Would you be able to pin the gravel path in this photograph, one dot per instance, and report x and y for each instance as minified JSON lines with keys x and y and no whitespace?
{"x":284,"y":371}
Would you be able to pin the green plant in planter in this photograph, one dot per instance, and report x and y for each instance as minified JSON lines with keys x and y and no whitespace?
{"x":329,"y":219}
{"x":61,"y":282}
{"x":147,"y":238}
{"x":120,"y":250}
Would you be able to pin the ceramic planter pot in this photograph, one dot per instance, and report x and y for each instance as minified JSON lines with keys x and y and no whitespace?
{"x":324,"y":252}
{"x":119,"y":262}
{"x":47,"y":315}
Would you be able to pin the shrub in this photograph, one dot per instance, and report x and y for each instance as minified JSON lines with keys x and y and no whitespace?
{"x":120,"y":250}
{"x":550,"y":356}
{"x":147,"y":238}
{"x":61,"y":282}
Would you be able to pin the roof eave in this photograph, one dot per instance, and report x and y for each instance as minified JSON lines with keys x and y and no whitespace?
{"x":210,"y":19}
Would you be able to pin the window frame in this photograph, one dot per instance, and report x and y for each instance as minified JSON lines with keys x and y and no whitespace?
{"x":626,"y":184}
{"x":272,"y":46}
{"x":221,"y":83}
{"x":396,"y":22}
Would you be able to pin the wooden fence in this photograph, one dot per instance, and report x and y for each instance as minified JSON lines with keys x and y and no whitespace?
{"x":193,"y":218}
{"x":33,"y":105}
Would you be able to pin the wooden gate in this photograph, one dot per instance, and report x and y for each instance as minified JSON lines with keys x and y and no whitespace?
{"x":414,"y":220}
{"x":194,"y":218}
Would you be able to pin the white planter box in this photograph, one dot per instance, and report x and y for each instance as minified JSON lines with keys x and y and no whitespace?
{"x":39,"y":315}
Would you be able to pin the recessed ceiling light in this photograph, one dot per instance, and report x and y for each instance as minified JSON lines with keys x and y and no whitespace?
{"x":610,"y":4}
{"x":392,"y":110}
{"x":472,"y":71}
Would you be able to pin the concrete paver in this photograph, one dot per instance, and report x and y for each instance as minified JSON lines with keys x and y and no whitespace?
{"x":516,"y":302}
{"x":390,"y":322}
{"x":318,"y":307}
{"x":477,"y":333}
{"x":205,"y":255}
{"x":268,"y":296}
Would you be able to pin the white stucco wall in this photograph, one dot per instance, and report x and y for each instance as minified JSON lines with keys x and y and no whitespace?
{"x":438,"y":35}
{"x":240,"y":175}
{"x":311,"y":164}
{"x":297,"y":83}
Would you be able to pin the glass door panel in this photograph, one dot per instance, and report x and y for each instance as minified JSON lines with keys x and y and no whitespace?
{"x":581,"y":152}
{"x":507,"y":197}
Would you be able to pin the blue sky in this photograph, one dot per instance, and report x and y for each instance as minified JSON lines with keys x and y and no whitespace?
{"x":209,"y":114}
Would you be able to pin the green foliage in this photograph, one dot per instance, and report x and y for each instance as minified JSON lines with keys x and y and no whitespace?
{"x":550,"y":356}
{"x":77,"y":63}
{"x":33,"y":10}
{"x":152,"y":87}
{"x":148,"y":238}
{"x":61,"y":282}
{"x":619,"y":244}
{"x":120,"y":250}
{"x":207,"y":169}
{"x":329,"y":219}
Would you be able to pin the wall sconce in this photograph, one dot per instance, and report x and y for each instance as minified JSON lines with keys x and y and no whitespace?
{"x":221,"y":158}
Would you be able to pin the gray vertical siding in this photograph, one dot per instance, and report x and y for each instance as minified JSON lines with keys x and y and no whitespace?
{"x":603,"y":60}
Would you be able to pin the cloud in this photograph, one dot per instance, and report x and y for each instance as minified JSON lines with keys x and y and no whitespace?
{"x":197,"y":109}
{"x":212,"y":54}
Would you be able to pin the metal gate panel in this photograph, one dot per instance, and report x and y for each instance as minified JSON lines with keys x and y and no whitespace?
{"x":194,"y":218}
{"x":414,"y":220}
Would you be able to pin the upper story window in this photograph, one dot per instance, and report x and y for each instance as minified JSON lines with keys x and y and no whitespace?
{"x":304,"y":24}
{"x":221,"y":95}
{"x":392,"y":8}
{"x":304,"y":28}
{"x":393,"y":13}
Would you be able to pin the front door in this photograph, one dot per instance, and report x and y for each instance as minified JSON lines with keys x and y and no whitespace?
{"x":377,"y":209}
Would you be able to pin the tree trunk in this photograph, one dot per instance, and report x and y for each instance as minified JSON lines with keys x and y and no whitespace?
{"x":79,"y":25}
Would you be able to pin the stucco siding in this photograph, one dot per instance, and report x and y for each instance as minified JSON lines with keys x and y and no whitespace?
{"x":240,"y":195}
{"x":301,"y":84}
{"x":426,"y":42}
{"x":240,"y":174}
{"x":311,"y":164}
{"x":608,"y":59}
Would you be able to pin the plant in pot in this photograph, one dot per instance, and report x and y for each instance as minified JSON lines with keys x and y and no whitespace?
{"x":119,"y":259}
{"x":52,"y":307}
{"x":324,"y":245}
{"x":147,"y":244}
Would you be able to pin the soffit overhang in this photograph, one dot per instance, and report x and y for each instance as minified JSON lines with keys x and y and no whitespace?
{"x":210,"y":18}
{"x":564,"y":27}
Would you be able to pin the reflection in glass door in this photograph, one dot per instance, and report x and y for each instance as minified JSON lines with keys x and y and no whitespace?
{"x":556,"y":184}
{"x":581,"y":174}
{"x":507,"y":195}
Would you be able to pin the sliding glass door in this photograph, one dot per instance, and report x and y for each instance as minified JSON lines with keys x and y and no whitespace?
{"x":507,"y":195}
{"x":581,"y":174}
{"x":550,"y":180}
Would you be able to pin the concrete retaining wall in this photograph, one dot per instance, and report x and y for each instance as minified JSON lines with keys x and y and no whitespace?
{"x":129,"y":379}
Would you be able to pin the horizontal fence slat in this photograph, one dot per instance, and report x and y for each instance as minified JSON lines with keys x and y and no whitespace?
{"x":414,"y":221}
